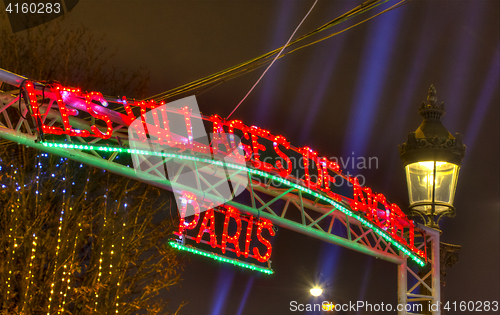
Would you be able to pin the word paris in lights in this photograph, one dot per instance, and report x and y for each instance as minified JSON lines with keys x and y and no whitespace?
{"x":240,"y":239}
{"x":269,"y":156}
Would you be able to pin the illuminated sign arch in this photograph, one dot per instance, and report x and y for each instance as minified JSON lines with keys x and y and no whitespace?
{"x":269,"y":156}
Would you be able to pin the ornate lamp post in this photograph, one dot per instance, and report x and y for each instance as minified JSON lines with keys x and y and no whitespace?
{"x":432,"y":158}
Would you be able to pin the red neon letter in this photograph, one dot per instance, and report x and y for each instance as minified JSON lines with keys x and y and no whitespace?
{"x":90,"y":108}
{"x":186,"y":111}
{"x":208,"y":225}
{"x":30,"y":89}
{"x":231,"y":213}
{"x":130,"y":118}
{"x":188,"y":198}
{"x":244,"y":129}
{"x":130,"y":115}
{"x":142,"y":135}
{"x":284,"y":172}
{"x":249,"y":237}
{"x":359,"y":202}
{"x":218,"y":136}
{"x":264,"y":224}
{"x":255,"y":133}
{"x":306,"y":152}
{"x":162,"y":135}
{"x":64,"y":114}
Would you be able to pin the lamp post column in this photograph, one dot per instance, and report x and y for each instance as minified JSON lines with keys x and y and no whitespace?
{"x":432,"y":158}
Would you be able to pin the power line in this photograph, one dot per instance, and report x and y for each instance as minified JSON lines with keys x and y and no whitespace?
{"x":277,"y":56}
{"x":259,"y":61}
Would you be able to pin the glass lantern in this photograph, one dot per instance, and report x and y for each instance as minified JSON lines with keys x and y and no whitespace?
{"x":432,"y":157}
{"x":431,"y":182}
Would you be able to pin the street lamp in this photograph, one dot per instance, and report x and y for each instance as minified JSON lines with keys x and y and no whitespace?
{"x":316,"y":291}
{"x":432,"y":158}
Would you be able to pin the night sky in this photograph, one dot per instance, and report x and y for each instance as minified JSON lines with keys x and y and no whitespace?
{"x":356,"y":92}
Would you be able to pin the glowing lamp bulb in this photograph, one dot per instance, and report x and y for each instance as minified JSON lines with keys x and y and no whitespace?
{"x":430,"y":164}
{"x":316,"y":291}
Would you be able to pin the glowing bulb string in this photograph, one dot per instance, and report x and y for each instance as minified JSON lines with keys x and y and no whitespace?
{"x":69,"y":260}
{"x":220,"y":258}
{"x":91,"y":218}
{"x":10,"y":242}
{"x":67,"y":211}
{"x":58,"y":247}
{"x":277,"y":56}
{"x":101,"y":251}
{"x":72,"y":263}
{"x":12,"y":236}
{"x":120,"y":276}
{"x":29,"y":277}
{"x":67,"y":271}
{"x":80,"y":231}
{"x":112,"y":248}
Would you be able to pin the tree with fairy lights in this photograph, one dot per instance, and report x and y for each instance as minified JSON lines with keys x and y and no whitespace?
{"x":75,"y":239}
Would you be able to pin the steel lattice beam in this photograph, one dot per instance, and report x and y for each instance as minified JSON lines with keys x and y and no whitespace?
{"x":368,"y":243}
{"x":422,"y":288}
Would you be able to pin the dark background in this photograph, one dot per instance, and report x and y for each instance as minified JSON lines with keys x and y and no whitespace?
{"x":356,"y":92}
